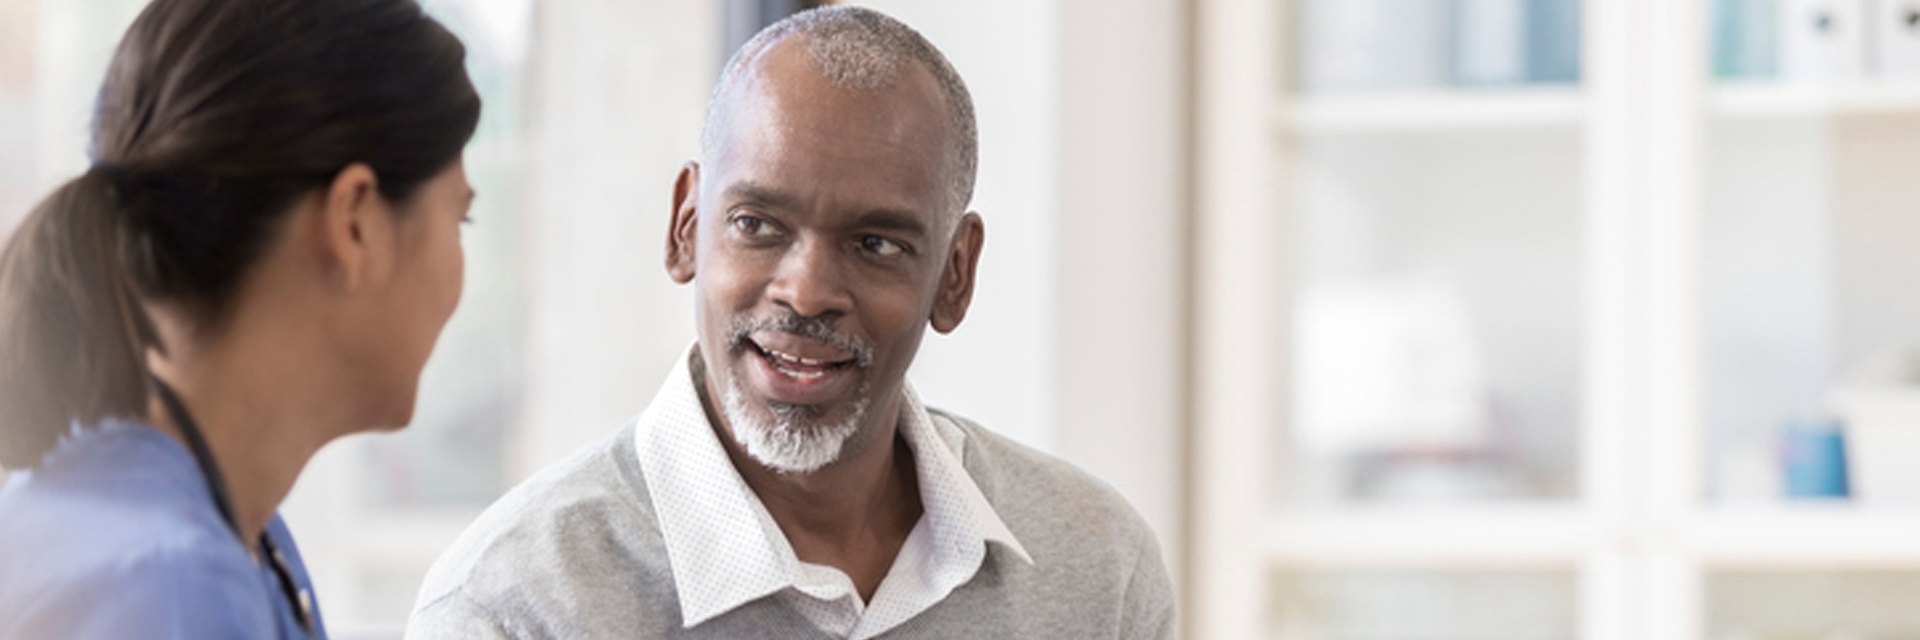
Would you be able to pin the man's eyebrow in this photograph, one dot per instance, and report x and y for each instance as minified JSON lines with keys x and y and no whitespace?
{"x":891,"y":220}
{"x":884,"y":219}
{"x":760,"y":194}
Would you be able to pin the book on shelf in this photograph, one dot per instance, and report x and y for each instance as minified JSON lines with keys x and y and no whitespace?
{"x":1489,"y":42}
{"x":1816,"y":41}
{"x":1385,"y":45}
{"x":1553,"y":41}
{"x":1745,"y":39}
{"x":1367,"y":45}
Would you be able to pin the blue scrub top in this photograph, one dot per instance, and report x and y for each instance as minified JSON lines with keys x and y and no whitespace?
{"x":116,"y":536}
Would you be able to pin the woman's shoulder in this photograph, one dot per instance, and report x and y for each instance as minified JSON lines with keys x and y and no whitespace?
{"x":118,"y":483}
{"x":112,"y":523}
{"x":149,"y":591}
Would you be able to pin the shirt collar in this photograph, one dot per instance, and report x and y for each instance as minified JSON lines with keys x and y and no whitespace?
{"x":725,"y":549}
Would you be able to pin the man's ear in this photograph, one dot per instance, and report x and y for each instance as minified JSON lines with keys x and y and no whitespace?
{"x":683,"y":227}
{"x":956,"y":282}
{"x":350,"y":229}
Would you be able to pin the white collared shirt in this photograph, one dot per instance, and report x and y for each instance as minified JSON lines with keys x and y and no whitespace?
{"x":726,"y":550}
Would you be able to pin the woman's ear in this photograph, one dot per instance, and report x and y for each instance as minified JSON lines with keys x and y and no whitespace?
{"x":352,"y":224}
{"x":683,"y":226}
{"x":956,"y":281}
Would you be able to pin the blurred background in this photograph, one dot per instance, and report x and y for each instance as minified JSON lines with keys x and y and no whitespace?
{"x":1397,"y":319}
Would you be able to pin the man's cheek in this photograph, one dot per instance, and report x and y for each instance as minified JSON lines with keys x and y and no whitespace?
{"x":727,"y":282}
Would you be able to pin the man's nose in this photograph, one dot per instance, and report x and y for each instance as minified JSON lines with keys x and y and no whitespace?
{"x":811,"y":281}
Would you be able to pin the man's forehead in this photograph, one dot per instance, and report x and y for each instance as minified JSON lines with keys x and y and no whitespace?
{"x":787,"y":127}
{"x":787,"y":82}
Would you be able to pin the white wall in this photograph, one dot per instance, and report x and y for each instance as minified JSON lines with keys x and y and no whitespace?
{"x":76,"y":42}
{"x":617,"y":112}
{"x":1122,"y":250}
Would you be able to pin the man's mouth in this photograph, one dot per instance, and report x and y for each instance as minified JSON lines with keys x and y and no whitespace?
{"x":799,"y":367}
{"x":801,"y":362}
{"x":801,"y":374}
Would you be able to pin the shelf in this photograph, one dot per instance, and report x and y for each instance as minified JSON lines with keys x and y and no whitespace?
{"x":1436,"y":110}
{"x":1825,"y":536}
{"x":1805,"y":536}
{"x":1772,"y":100}
{"x":1452,"y":110}
{"x":1467,"y":537}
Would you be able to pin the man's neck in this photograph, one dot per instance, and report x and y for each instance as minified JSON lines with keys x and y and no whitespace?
{"x":854,"y":514}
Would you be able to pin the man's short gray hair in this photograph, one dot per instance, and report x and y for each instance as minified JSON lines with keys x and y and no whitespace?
{"x":862,"y":49}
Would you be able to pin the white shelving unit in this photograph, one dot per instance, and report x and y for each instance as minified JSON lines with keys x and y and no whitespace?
{"x":1824,"y":537}
{"x":1430,"y":111}
{"x":1474,"y":538}
{"x":1774,"y":100}
{"x":1638,"y":535}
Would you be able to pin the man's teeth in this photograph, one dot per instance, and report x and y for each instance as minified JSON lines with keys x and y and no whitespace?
{"x":801,"y":375}
{"x":779,"y":357}
{"x":797,"y":359}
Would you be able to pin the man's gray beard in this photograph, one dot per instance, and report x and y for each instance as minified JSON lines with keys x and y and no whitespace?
{"x":793,"y":443}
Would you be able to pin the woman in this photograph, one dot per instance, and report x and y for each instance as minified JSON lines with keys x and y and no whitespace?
{"x":259,"y":261}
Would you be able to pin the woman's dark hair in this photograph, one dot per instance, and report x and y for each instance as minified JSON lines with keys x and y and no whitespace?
{"x":215,"y":117}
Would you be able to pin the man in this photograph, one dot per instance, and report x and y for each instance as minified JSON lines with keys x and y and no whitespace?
{"x":786,"y":482}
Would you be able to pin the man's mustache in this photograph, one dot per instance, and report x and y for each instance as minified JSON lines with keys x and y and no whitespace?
{"x":745,"y":324}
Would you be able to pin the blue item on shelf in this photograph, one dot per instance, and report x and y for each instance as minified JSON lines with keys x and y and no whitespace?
{"x":1553,"y":41}
{"x":1490,"y":42}
{"x":1813,"y":460}
{"x":1746,"y":39}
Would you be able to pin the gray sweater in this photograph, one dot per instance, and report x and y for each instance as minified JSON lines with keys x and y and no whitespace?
{"x":576,"y":552}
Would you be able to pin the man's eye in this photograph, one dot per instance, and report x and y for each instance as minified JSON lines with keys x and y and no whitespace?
{"x":752,"y":226}
{"x":880,"y":246}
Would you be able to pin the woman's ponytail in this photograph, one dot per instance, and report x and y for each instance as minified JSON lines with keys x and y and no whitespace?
{"x":73,"y":336}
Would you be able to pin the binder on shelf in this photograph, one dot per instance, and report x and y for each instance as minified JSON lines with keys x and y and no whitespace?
{"x":1490,"y":42}
{"x":1895,"y":32}
{"x":1553,"y":41}
{"x":1823,"y":40}
{"x":1363,"y":45}
{"x":1746,"y":39}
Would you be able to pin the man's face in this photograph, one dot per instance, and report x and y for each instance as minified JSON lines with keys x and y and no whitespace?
{"x":820,"y":243}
